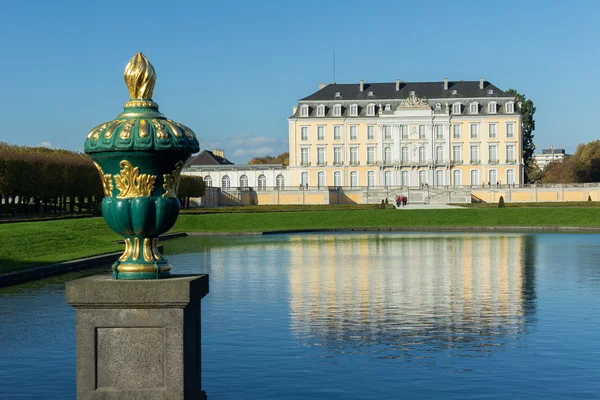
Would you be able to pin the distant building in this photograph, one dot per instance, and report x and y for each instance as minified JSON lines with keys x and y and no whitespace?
{"x":550,"y":155}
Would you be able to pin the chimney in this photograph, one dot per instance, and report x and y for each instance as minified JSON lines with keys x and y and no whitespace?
{"x":362,"y":84}
{"x":218,"y":153}
{"x":445,"y":83}
{"x":481,"y":83}
{"x":321,"y":86}
{"x":397,"y":85}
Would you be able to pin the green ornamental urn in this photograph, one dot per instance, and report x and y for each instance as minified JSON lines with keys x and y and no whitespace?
{"x":139,"y":156}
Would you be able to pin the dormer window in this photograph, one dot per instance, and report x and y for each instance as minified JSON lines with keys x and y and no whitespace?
{"x":510,"y":107}
{"x":338,"y":95}
{"x":321,"y":111}
{"x":456,"y":108}
{"x":304,"y":111}
{"x":412,"y":93}
{"x":371,"y":110}
{"x":337,"y":110}
{"x":454,"y":92}
{"x":353,"y":110}
{"x":370,"y":94}
{"x":438,"y":106}
{"x":474,"y":108}
{"x":492,"y":107}
{"x":490,"y":91}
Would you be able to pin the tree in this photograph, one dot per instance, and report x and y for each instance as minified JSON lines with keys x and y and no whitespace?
{"x":283,"y":158}
{"x":528,"y":126}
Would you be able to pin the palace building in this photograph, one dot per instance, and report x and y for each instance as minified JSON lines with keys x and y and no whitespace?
{"x":406,"y":134}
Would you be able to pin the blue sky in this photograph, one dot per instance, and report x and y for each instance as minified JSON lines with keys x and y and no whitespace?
{"x":232,"y":71}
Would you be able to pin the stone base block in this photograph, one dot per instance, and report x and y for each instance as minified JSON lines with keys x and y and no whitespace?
{"x":138,"y":339}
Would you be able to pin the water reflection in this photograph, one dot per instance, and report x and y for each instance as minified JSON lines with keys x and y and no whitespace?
{"x":417,"y":292}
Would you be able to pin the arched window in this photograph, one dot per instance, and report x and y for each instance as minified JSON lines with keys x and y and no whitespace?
{"x":243,"y":181}
{"x":492,"y":107}
{"x":474,"y":108}
{"x":387,"y":155}
{"x":405,"y":154}
{"x":304,"y":178}
{"x":439,"y":154}
{"x":262,"y":182}
{"x":388,"y":178}
{"x":354,"y":110}
{"x":371,"y":178}
{"x":371,"y":110}
{"x":456,"y":108}
{"x":321,"y":179}
{"x":510,"y":107}
{"x":421,"y":155}
{"x":208,"y":181}
{"x":405,"y":178}
{"x":510,"y":176}
{"x":304,"y":111}
{"x":439,"y":178}
{"x":474,"y":177}
{"x":321,"y":111}
{"x":456,"y":178}
{"x":337,"y":178}
{"x":280,"y":181}
{"x":422,"y":178}
{"x":337,"y":110}
{"x":225,"y":182}
{"x":353,"y":179}
{"x":493,"y":177}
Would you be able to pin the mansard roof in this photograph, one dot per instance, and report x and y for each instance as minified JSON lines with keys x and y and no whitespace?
{"x":207,"y":158}
{"x":387,"y":91}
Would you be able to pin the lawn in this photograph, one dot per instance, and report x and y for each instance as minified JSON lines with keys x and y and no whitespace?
{"x":27,"y":244}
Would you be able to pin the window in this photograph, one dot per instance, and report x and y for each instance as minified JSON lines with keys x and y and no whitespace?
{"x":456,"y":178}
{"x":304,"y":133}
{"x":304,"y":156}
{"x":353,"y":179}
{"x":510,"y":176}
{"x":354,"y":132}
{"x":439,"y":154}
{"x":492,"y":131}
{"x":262,"y":182}
{"x":321,"y":111}
{"x":475,"y":154}
{"x":492,"y":107}
{"x":320,"y":133}
{"x":404,"y":154}
{"x":243,"y":181}
{"x":388,"y":107}
{"x":405,"y":178}
{"x":371,"y":132}
{"x":304,"y":179}
{"x":320,"y":156}
{"x":337,"y":132}
{"x":337,"y":110}
{"x":510,"y":130}
{"x":280,"y":181}
{"x":455,"y":91}
{"x":353,"y":110}
{"x":422,"y":178}
{"x":439,"y":177}
{"x":474,"y":177}
{"x":421,"y":155}
{"x":439,"y":131}
{"x":208,"y":181}
{"x":371,"y":178}
{"x":304,"y":111}
{"x":225,"y":182}
{"x":457,"y":154}
{"x":510,"y":108}
{"x":387,"y":155}
{"x":337,"y":178}
{"x":404,"y":129}
{"x":354,"y":155}
{"x":338,"y":95}
{"x":490,"y":91}
{"x":371,"y":155}
{"x":371,"y":110}
{"x":456,"y":131}
{"x":438,"y":106}
{"x":421,"y":131}
{"x":387,"y":132}
{"x":456,"y":108}
{"x":474,"y":108}
{"x":510,"y":154}
{"x":337,"y":156}
{"x":388,"y":178}
{"x":474,"y":131}
{"x":493,"y":154}
{"x":492,"y":177}
{"x":321,"y":179}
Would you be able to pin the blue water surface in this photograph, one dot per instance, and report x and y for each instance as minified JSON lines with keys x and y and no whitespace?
{"x":356,"y":316}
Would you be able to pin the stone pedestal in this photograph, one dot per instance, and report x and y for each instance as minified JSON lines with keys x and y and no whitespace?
{"x":138,"y":339}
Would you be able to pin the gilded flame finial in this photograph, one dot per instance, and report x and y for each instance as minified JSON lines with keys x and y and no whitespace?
{"x":140,"y":77}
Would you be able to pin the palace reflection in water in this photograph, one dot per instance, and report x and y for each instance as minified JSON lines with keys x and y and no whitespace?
{"x":414,"y":290}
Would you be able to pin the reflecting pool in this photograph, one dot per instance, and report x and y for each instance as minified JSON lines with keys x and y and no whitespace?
{"x":356,"y":316}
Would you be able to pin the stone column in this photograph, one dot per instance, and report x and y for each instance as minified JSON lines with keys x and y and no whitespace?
{"x":138,"y":339}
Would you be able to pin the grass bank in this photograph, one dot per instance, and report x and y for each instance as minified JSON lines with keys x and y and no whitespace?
{"x":41,"y":243}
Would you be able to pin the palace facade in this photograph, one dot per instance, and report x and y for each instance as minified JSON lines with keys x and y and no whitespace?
{"x":406,"y":134}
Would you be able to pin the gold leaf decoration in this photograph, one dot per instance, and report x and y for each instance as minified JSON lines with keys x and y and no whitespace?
{"x":160,"y":133}
{"x":140,"y":77}
{"x":107,"y":185}
{"x":95,"y":133}
{"x":188,"y":132}
{"x":126,"y":131}
{"x":131,"y":183}
{"x":171,"y":184}
{"x":143,"y":128}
